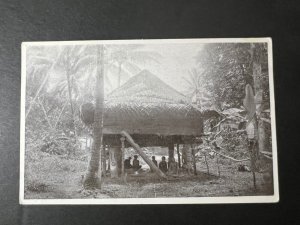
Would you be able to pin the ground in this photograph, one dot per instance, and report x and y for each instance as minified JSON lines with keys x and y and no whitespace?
{"x":52,"y":177}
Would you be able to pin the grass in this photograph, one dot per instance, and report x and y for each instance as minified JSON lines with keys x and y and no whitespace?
{"x":52,"y":176}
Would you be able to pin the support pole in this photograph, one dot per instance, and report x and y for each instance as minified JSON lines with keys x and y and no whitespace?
{"x":194,"y":160}
{"x":103,"y":156}
{"x":178,"y":155}
{"x":108,"y":166}
{"x":171,"y":150}
{"x":123,"y":153}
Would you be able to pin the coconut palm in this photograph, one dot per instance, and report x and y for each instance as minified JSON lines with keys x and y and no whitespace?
{"x":91,"y":180}
{"x":195,"y":86}
{"x":40,"y":64}
{"x":127,"y":60}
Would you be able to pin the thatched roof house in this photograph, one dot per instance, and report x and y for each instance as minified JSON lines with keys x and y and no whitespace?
{"x":149,"y":109}
{"x":147,"y":105}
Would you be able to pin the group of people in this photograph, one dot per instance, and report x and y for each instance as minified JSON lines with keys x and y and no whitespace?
{"x":135,"y":163}
{"x":164,"y":166}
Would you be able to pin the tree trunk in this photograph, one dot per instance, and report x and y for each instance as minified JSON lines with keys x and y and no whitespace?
{"x":119,"y":74}
{"x":143,"y":155}
{"x":70,"y":98}
{"x":187,"y":159}
{"x":218,"y":164}
{"x":258,"y":90}
{"x":38,"y":91}
{"x":206,"y":163}
{"x":198,"y":99}
{"x":91,"y":179}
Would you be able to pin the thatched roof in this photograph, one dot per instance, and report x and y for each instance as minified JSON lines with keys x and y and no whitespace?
{"x":146,"y":87}
{"x":147,"y":105}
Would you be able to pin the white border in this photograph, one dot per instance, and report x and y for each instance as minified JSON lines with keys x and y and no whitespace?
{"x":142,"y":201}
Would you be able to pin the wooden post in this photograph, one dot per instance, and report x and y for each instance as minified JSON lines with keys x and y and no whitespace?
{"x":103,"y":160}
{"x":115,"y":157}
{"x":252,"y":149}
{"x":143,"y":155}
{"x":108,"y":161}
{"x":178,"y":155}
{"x":171,"y":150}
{"x":123,"y":153}
{"x":194,"y":160}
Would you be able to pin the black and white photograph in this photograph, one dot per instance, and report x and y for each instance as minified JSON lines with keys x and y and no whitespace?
{"x":158,"y":121}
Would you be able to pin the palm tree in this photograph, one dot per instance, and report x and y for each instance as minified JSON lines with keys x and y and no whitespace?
{"x":195,"y":86}
{"x":40,"y":64}
{"x":91,"y":180}
{"x":126,"y":59}
{"x":73,"y":60}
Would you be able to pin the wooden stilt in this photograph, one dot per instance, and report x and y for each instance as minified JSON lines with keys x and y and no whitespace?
{"x":194,"y":160}
{"x":103,"y":160}
{"x":108,"y":160}
{"x":178,"y":155}
{"x":123,"y":154}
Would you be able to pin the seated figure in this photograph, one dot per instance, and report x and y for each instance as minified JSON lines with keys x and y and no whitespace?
{"x":154,"y":161}
{"x":127,"y":164}
{"x":136,"y":163}
{"x":163,"y":165}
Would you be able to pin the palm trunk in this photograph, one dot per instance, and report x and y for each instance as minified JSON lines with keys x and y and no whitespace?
{"x":38,"y":92}
{"x":198,"y":99}
{"x":60,"y":114}
{"x":256,"y":67}
{"x":91,"y":179}
{"x":46,"y":115}
{"x":70,"y":100}
{"x":119,"y":74}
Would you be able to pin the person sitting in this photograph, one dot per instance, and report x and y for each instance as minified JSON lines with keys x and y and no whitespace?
{"x":127,"y":164}
{"x":163,"y":165}
{"x":136,"y":163}
{"x":154,"y":161}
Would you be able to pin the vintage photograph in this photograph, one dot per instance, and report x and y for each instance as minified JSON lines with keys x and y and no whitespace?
{"x":170,"y":121}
